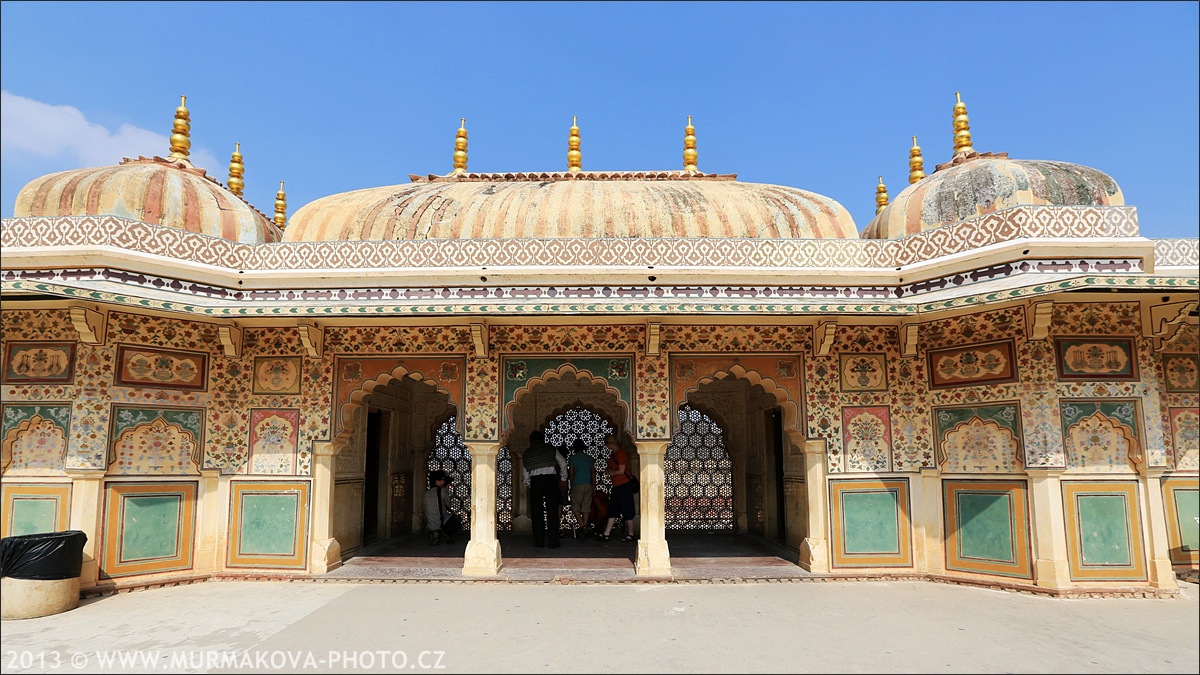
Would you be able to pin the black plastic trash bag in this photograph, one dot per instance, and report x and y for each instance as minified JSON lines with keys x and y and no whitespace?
{"x":47,"y":556}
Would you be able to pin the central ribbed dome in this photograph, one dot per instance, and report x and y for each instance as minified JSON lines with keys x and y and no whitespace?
{"x":582,"y":205}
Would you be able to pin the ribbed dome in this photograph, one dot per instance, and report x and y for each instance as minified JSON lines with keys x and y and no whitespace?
{"x":974,"y":185}
{"x":583,"y":205}
{"x":160,"y":191}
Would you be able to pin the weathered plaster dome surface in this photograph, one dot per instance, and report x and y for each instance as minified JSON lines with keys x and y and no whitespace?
{"x":582,"y":205}
{"x":169,"y":192}
{"x":973,"y":186}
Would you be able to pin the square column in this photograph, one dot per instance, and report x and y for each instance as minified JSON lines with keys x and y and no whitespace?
{"x":209,"y":527}
{"x":929,"y":539}
{"x":1158,"y":547}
{"x":814,"y":551}
{"x":653,"y":556}
{"x":325,"y":553}
{"x":482,"y":558}
{"x":1049,"y":529}
{"x":87,"y":505}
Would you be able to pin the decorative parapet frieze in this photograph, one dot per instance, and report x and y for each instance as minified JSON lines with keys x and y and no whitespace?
{"x":1176,"y":252}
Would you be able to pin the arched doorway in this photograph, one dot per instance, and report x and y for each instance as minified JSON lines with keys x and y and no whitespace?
{"x":398,"y":432}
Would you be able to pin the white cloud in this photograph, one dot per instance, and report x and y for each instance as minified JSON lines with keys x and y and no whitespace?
{"x":32,"y":132}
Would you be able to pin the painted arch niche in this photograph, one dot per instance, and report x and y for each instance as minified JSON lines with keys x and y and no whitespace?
{"x":35,"y":439}
{"x":155,"y":442}
{"x":1098,"y":444}
{"x":980,"y":439}
{"x":538,"y":389}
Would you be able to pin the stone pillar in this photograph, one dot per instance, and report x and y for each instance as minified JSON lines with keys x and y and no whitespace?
{"x":483,"y":551}
{"x":1158,"y":546}
{"x":1049,"y":529}
{"x":325,"y":553}
{"x":928,"y":538}
{"x":814,"y":551}
{"x":653,"y":556}
{"x":208,"y":522}
{"x":87,"y":507}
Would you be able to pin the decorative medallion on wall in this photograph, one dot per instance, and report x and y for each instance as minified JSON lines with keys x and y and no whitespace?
{"x":274,"y":439}
{"x":1182,"y":372}
{"x":991,"y":363}
{"x":1096,"y":359}
{"x":39,"y":362}
{"x":277,"y":374}
{"x":864,"y":372}
{"x":139,"y":366}
{"x":867,"y":438}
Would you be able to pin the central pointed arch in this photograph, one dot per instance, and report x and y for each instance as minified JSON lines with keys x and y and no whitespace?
{"x":620,"y":422}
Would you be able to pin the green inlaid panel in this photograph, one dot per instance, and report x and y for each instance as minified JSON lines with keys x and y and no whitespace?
{"x":1124,"y":412}
{"x":985,"y":526}
{"x":1187,"y":508}
{"x":870,"y":522}
{"x":149,"y":527}
{"x":1104,"y":529}
{"x":33,"y":516}
{"x":1007,"y":416}
{"x":13,"y":415}
{"x":188,"y":419}
{"x":269,"y":524}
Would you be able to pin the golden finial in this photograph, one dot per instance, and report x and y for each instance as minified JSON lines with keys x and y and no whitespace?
{"x":181,"y":144}
{"x":916,"y":163}
{"x":881,"y":196}
{"x":236,"y":170}
{"x":689,"y":147}
{"x":574,"y":156}
{"x":280,"y":207}
{"x":962,"y":127}
{"x":460,"y":148}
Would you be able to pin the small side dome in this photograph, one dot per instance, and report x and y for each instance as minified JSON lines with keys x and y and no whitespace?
{"x":572,"y":205}
{"x":974,"y":184}
{"x":168,"y":192}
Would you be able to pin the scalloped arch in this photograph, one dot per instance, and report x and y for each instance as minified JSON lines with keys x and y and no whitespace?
{"x":790,"y":408}
{"x":354,"y":400}
{"x":161,"y":424}
{"x":943,"y":454}
{"x":558,"y":374}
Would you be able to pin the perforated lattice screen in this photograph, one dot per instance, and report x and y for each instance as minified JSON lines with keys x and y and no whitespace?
{"x":504,"y":491}
{"x":450,"y":455}
{"x":699,"y":475}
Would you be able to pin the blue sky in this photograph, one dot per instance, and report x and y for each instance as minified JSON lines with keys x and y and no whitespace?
{"x":819,"y":96}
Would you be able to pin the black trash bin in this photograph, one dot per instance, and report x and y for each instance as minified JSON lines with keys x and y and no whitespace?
{"x":40,"y":573}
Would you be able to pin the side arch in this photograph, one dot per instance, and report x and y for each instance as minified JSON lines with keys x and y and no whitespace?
{"x":789,"y":407}
{"x":354,"y":399}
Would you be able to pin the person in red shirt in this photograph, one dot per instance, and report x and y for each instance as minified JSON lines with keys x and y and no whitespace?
{"x":621,"y":503}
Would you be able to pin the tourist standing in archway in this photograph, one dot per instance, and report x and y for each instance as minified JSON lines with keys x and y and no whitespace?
{"x":546,"y":478}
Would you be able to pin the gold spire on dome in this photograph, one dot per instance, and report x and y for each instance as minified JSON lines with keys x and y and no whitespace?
{"x":689,"y":147}
{"x":181,"y":143}
{"x":460,"y":148}
{"x":916,"y":163}
{"x":236,"y":171}
{"x":962,"y":127}
{"x":881,"y":196}
{"x":574,"y":156}
{"x":280,"y":207}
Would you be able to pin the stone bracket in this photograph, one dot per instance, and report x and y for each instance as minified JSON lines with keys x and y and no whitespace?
{"x":1167,"y":318}
{"x":312,"y":337}
{"x":1039,"y":318}
{"x":653,"y":338}
{"x":909,"y":338}
{"x":823,"y":338}
{"x":89,"y":323}
{"x":231,"y":339}
{"x":479,"y":336}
